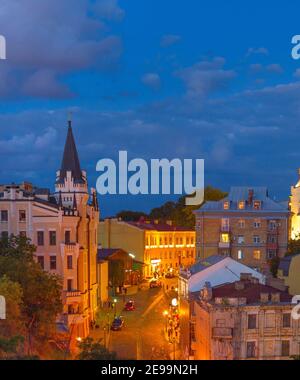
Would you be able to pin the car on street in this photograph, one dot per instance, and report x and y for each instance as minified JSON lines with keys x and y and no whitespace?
{"x":129,"y":306}
{"x":117,"y":324}
{"x":155,"y":284}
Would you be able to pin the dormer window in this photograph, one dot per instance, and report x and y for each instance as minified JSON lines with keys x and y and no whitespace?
{"x":226,"y":205}
{"x":241,"y":205}
{"x":257,"y":205}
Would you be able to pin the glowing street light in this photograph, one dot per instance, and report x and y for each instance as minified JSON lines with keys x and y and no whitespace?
{"x":174,"y":302}
{"x":132,"y":255}
{"x":79,"y":339}
{"x":165,"y":313}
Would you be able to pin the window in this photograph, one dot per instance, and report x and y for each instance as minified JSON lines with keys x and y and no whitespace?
{"x":41,"y":261}
{"x":241,"y":223}
{"x":40,"y":238}
{"x":256,"y":239}
{"x":22,"y":216}
{"x":272,"y":239}
{"x":220,"y":323}
{"x":285,"y":348}
{"x":272,"y":225}
{"x":70,"y":262}
{"x":52,"y":237}
{"x":256,"y":254}
{"x":241,"y":239}
{"x":225,"y":224}
{"x":52,"y":262}
{"x":192,"y":240}
{"x":4,"y":216}
{"x":23,"y":234}
{"x":240,"y":254}
{"x":67,"y":237}
{"x":286,"y":320}
{"x":252,"y":321}
{"x":257,"y":205}
{"x":170,"y":255}
{"x":271,"y":253}
{"x":225,"y":238}
{"x":70,"y":285}
{"x":4,"y":235}
{"x":257,"y":223}
{"x":241,"y":205}
{"x":251,"y":350}
{"x":226,"y":205}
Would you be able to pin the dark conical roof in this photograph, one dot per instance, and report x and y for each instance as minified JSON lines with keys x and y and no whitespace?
{"x":70,"y":161}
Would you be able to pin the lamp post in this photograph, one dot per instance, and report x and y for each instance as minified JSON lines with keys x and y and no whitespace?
{"x":115,"y":307}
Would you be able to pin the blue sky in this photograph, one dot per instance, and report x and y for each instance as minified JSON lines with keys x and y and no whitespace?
{"x":158,"y":78}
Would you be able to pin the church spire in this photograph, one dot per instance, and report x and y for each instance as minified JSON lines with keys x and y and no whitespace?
{"x":70,"y":161}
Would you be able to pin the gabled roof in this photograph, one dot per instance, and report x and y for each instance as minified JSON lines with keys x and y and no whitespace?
{"x":70,"y":161}
{"x":217,"y":270}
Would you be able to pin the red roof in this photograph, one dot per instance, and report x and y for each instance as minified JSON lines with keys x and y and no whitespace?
{"x":251,"y":292}
{"x":158,"y":227}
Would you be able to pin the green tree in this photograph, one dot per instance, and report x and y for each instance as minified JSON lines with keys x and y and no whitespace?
{"x":293,"y":246}
{"x":274,"y":265}
{"x":90,"y":350}
{"x":131,"y":216}
{"x":41,"y":291}
{"x":116,"y":273}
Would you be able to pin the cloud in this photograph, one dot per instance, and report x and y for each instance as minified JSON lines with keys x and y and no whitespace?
{"x":52,"y":40}
{"x":152,"y":80}
{"x":260,"y":50}
{"x":205,"y":77}
{"x":109,"y":9}
{"x":169,"y":40}
{"x":275,"y":68}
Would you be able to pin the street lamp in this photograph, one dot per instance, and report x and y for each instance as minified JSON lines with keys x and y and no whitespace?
{"x":115,"y":306}
{"x":174,"y":302}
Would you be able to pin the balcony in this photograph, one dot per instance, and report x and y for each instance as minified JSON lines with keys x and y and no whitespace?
{"x":223,"y":244}
{"x":72,"y":297}
{"x":222,"y":332}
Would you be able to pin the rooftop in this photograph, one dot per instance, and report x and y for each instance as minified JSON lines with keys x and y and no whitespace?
{"x":248,"y":195}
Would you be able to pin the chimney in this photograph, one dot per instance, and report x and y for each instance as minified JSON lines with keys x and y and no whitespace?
{"x":275,"y":297}
{"x":206,"y":292}
{"x":246,"y":277}
{"x":250,"y":196}
{"x":264,"y":297}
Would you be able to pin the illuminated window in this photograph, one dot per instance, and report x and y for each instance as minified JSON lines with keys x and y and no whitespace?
{"x":241,"y":205}
{"x":257,"y":205}
{"x":240,"y":254}
{"x":256,"y":254}
{"x":225,"y":238}
{"x":226,"y":205}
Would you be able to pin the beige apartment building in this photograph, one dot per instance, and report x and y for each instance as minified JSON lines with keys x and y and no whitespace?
{"x":63,"y":226}
{"x":162,"y":247}
{"x":244,"y":320}
{"x":247,"y":225}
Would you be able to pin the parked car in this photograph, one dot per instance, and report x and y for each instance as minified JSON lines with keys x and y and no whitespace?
{"x":129,"y":306}
{"x":117,"y":324}
{"x":155,"y":284}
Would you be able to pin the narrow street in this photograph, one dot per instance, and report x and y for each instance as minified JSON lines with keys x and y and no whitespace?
{"x":142,"y":337}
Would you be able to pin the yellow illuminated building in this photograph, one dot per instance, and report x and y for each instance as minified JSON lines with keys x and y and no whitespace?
{"x":162,"y":248}
{"x":295,"y":209}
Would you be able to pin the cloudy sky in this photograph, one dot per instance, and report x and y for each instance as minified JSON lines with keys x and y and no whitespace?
{"x":173,"y":78}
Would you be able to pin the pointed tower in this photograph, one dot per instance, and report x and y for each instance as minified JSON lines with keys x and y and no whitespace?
{"x":70,"y":179}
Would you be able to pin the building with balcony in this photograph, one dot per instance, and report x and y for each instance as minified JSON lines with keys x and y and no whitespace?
{"x":63,"y":227}
{"x":244,"y":320}
{"x":215,"y":270}
{"x":247,"y":225}
{"x":162,"y":247}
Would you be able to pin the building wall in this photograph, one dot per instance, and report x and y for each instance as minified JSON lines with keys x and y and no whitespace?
{"x":292,"y":280}
{"x":211,"y":235}
{"x":159,"y":250}
{"x":103,"y":281}
{"x":222,"y":332}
